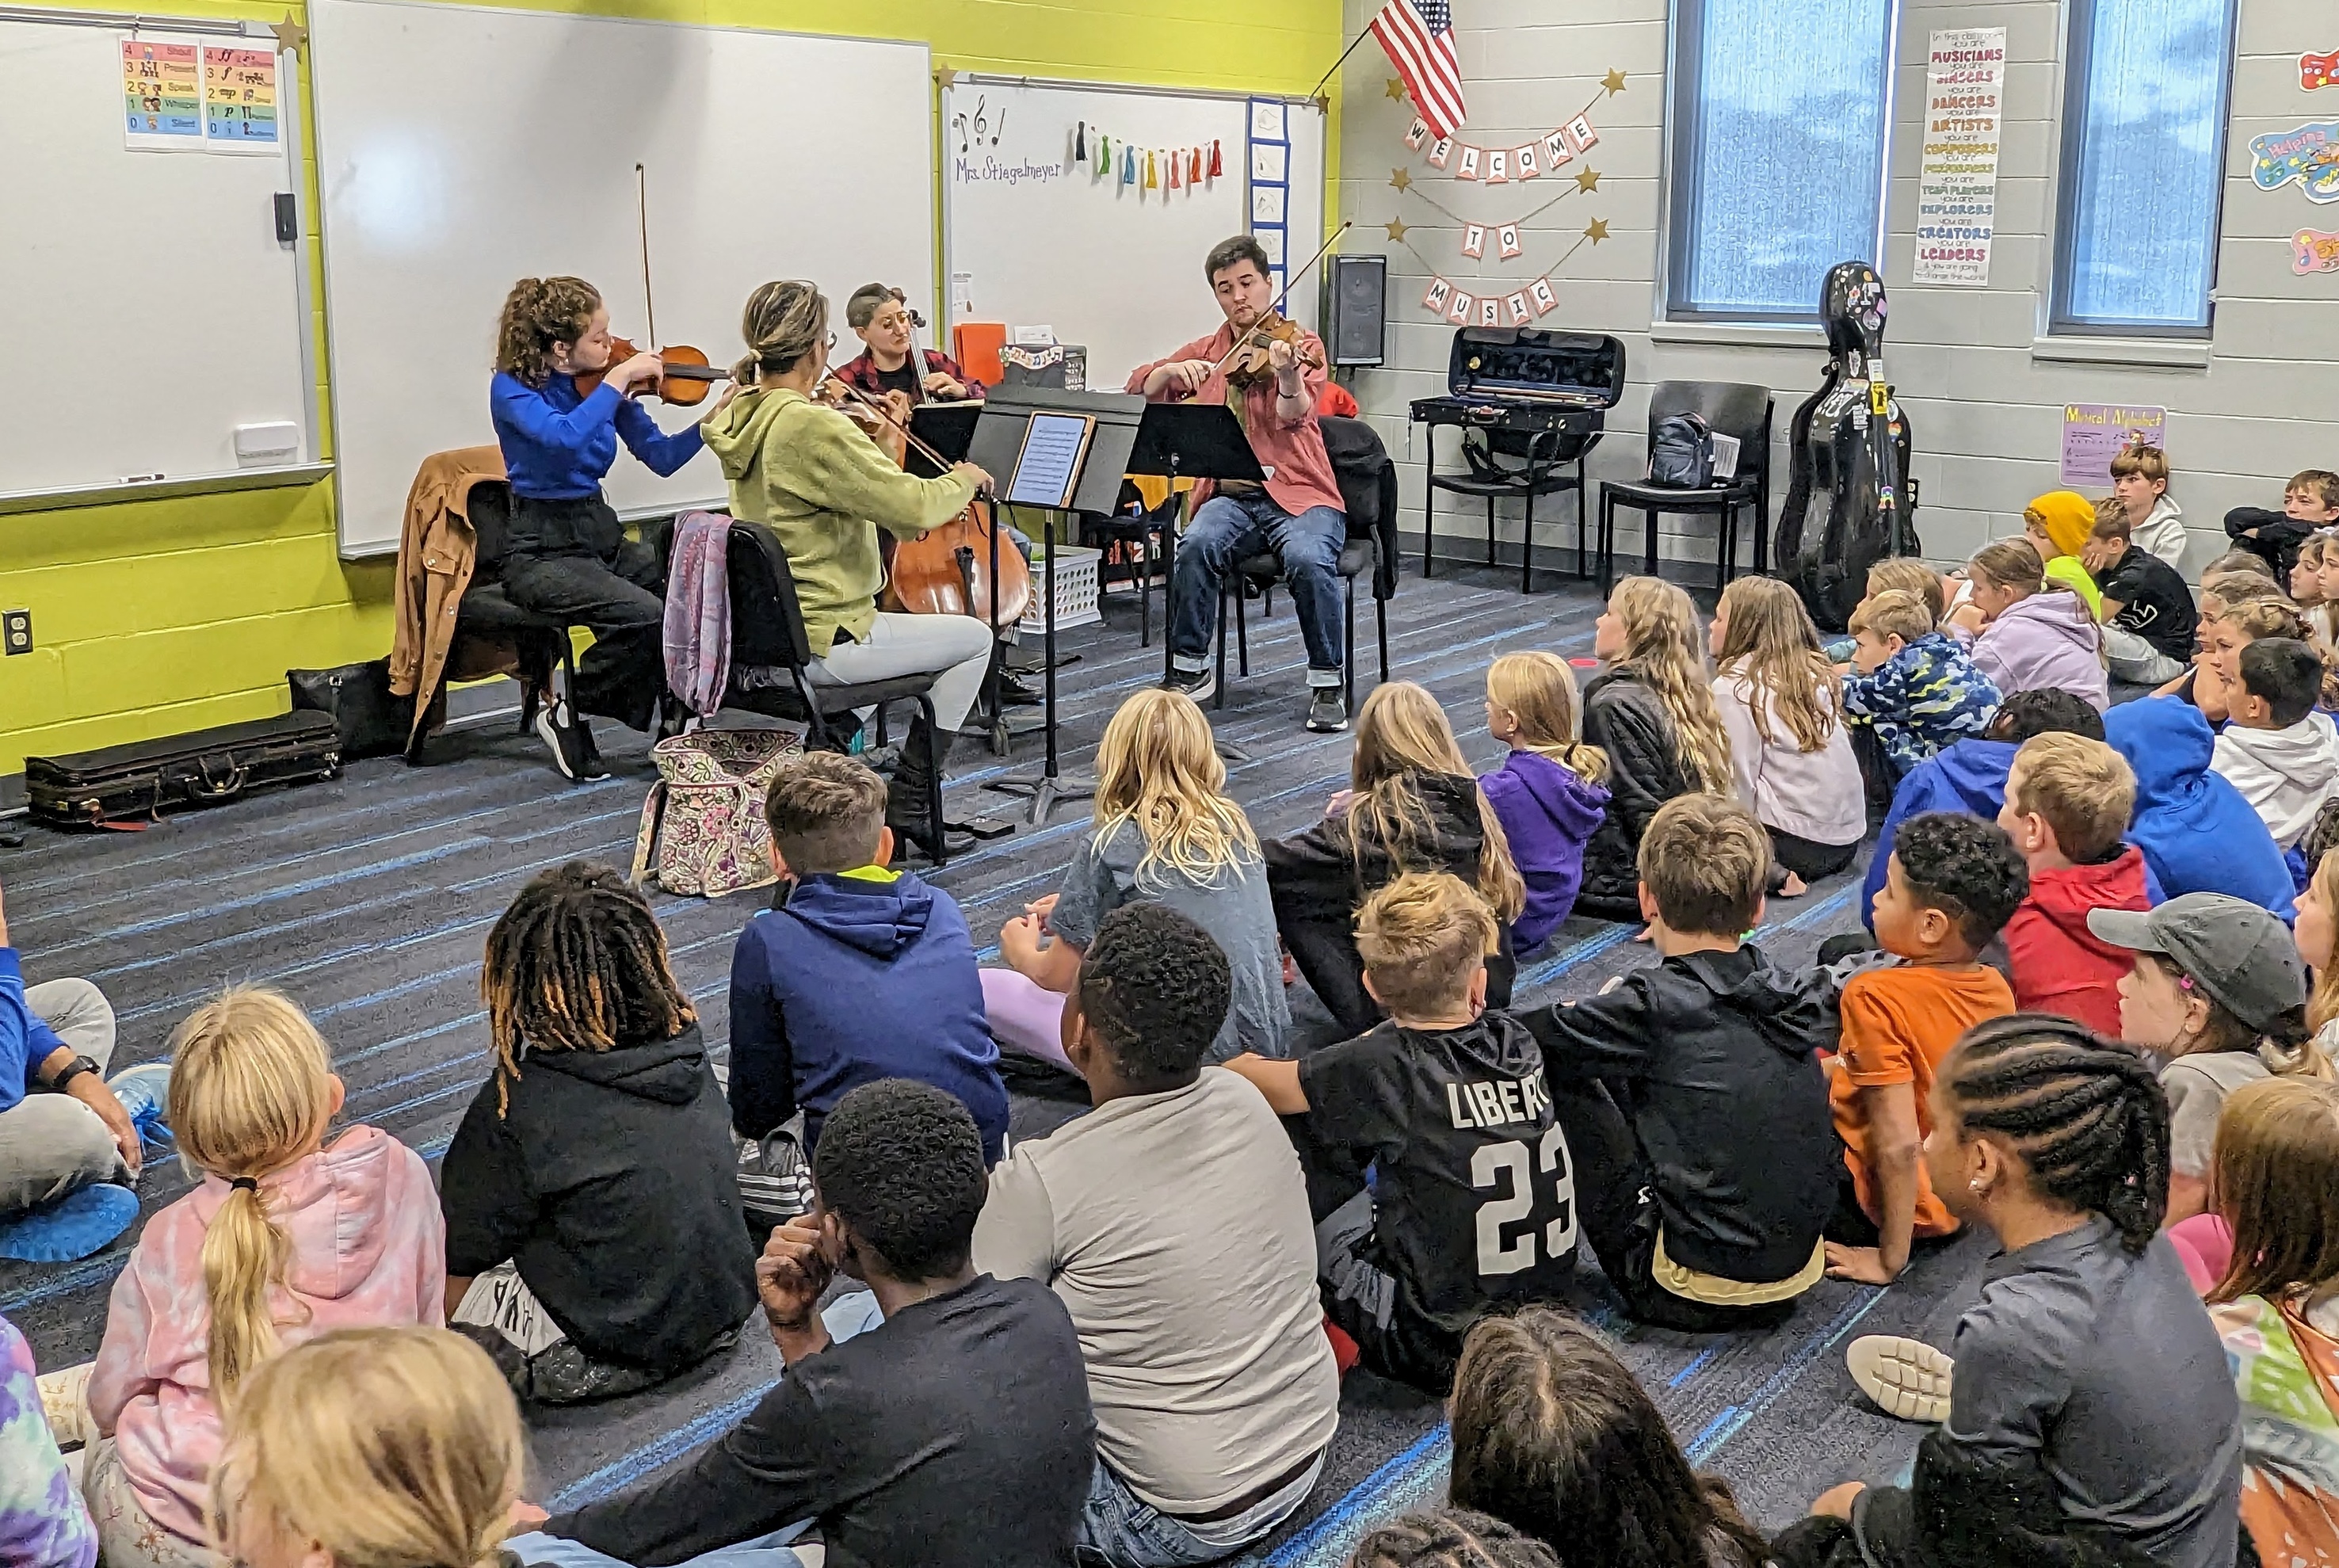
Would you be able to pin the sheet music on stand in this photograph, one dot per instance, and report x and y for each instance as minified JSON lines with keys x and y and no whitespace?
{"x":1048,"y":470}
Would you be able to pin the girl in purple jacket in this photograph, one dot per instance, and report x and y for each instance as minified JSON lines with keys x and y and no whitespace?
{"x":1547,"y":794}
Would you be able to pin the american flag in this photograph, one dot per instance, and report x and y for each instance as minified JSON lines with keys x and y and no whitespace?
{"x":1419,"y":37}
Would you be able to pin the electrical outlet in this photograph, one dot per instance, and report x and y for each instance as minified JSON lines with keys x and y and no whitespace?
{"x":15,"y":631}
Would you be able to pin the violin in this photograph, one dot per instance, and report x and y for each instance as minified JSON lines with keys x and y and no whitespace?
{"x":1249,"y":365}
{"x":686,"y":378}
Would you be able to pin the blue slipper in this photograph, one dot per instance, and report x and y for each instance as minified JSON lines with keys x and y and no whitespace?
{"x":71,"y":1228}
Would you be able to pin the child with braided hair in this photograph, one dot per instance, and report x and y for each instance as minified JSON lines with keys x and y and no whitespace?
{"x":2090,"y":1417}
{"x":1449,"y":1538}
{"x":594,"y":1244}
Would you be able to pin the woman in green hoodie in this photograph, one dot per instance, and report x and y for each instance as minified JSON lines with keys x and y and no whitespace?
{"x":811,"y":476}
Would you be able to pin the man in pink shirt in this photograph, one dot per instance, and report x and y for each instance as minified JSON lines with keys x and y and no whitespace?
{"x":1298,"y":513}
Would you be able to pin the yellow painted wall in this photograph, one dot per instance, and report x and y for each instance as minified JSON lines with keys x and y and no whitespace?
{"x":155,"y":617}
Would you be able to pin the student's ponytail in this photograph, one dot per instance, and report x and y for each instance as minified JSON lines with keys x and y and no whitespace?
{"x":250,"y":1093}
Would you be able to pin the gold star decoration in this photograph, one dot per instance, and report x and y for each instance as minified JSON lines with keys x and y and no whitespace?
{"x":1400,"y":179}
{"x":1396,"y":227}
{"x":1323,"y":101}
{"x":1613,"y":81}
{"x":944,"y":75}
{"x":1597,"y":232}
{"x":289,"y":35}
{"x":1587,"y":180}
{"x":1395,"y":89}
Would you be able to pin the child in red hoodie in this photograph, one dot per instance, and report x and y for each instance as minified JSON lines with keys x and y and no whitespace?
{"x":2067,"y":803}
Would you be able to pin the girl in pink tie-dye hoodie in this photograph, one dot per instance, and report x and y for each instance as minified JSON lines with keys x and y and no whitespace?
{"x":286,"y":1238}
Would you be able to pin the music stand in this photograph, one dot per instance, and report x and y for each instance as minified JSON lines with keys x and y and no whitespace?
{"x":1192,"y":441}
{"x":1000,"y":431}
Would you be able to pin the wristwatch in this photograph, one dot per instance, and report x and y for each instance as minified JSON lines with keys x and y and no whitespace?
{"x":74,"y":1068}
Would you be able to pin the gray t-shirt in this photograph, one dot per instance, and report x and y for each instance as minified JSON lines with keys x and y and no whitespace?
{"x":1233,"y":907}
{"x":2197,"y":1086}
{"x":2105,"y":1368}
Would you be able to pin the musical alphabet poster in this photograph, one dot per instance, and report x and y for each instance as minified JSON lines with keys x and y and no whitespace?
{"x":193,"y":95}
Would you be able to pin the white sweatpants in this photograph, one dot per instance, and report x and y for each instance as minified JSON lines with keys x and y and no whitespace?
{"x":958,"y":646}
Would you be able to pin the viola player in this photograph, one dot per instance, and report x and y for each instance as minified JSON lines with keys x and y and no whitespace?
{"x":1298,"y":513}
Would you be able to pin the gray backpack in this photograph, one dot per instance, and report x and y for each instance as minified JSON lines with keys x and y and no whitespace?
{"x":1681,"y":453}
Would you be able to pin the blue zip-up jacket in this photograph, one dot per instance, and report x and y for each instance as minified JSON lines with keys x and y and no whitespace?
{"x":559,"y":447}
{"x":2196,"y":831}
{"x":855,"y":977}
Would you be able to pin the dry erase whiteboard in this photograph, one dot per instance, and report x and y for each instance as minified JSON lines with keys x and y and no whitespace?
{"x":461,"y":147}
{"x":150,"y":309}
{"x":1032,"y":238}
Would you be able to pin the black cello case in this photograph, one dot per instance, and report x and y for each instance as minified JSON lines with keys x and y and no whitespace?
{"x":1849,"y":502}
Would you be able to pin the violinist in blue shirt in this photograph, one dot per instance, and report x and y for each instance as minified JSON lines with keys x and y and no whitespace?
{"x":569,"y":555}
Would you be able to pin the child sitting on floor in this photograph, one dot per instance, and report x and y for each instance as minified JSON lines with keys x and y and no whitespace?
{"x":1553,"y":1435}
{"x":1952,"y":883}
{"x":1911,"y":690}
{"x":42,"y":1521}
{"x":2196,"y":830}
{"x":2306,"y":591}
{"x":2068,"y":801}
{"x":1449,"y":1538}
{"x":2147,"y":612}
{"x":2091,"y":1417}
{"x":370,"y":1448}
{"x":594,"y":1244}
{"x":1549,"y":793}
{"x":1413,"y":804}
{"x":2027,"y":634}
{"x":2228,"y":627}
{"x":1443,"y":1092}
{"x":2309,"y":502}
{"x":285,"y":1238}
{"x":1790,"y":755}
{"x":2216,"y":993}
{"x":2276,"y":748}
{"x":856,"y":972}
{"x":1165,"y":832}
{"x":1692,"y":1094}
{"x":2058,"y":524}
{"x":2140,"y":483}
{"x":1652,"y":712}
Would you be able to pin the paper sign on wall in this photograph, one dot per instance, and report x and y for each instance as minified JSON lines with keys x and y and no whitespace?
{"x":2096,"y":433}
{"x":163,"y":95}
{"x":1957,"y":178}
{"x":239,"y":100}
{"x":2307,"y":154}
{"x":2313,"y":251}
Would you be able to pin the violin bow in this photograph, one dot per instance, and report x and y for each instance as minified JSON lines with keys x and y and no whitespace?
{"x":1242,"y":338}
{"x":858,"y":396}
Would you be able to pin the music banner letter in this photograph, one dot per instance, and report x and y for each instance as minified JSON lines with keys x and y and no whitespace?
{"x":1506,"y":241}
{"x":1459,"y":312}
{"x":1545,"y":300}
{"x":1490,"y":312}
{"x":1416,"y":135}
{"x":1474,"y":239}
{"x":1435,"y":300}
{"x":1498,"y":166}
{"x":1517,"y":306}
{"x":1440,"y":150}
{"x":1555,"y":150}
{"x":1580,"y":134}
{"x":1523,"y":162}
{"x":1467,"y":169}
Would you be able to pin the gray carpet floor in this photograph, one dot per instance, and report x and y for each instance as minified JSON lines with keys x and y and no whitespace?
{"x":368,"y":899}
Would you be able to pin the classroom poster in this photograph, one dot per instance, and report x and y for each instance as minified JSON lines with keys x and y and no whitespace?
{"x":2094,"y":433}
{"x":239,"y":99}
{"x":163,"y":95}
{"x":1957,"y":179}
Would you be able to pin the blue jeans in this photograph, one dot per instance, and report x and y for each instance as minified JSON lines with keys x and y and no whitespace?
{"x":1121,"y":1529}
{"x":1232,"y":529}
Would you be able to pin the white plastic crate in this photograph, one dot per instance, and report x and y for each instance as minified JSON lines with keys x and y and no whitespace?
{"x":1078,"y":589}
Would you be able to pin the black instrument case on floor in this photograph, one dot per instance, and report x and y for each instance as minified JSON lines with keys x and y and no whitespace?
{"x":144,"y":778}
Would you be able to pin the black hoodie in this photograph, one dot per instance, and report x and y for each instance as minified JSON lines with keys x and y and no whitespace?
{"x":611,"y":1184}
{"x":1624,"y":716}
{"x":1709,"y":1055}
{"x":1318,"y":883}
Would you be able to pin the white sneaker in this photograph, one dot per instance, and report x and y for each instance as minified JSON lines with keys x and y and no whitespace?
{"x":1906,"y":1377}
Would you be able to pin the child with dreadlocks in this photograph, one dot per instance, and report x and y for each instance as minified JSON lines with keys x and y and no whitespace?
{"x":2090,"y":1415}
{"x":1449,"y":1538}
{"x":594,"y":1244}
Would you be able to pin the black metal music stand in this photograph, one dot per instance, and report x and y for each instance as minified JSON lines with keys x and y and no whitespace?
{"x":1192,"y":441}
{"x":998,"y":440}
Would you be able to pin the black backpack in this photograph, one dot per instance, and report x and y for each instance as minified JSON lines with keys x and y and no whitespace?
{"x":1681,"y":453}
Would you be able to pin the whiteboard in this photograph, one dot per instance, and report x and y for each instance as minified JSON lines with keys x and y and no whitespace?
{"x":1030,"y":239}
{"x":460,"y":148}
{"x":146,"y":292}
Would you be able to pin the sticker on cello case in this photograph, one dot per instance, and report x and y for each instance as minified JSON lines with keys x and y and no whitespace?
{"x":1878,"y":398}
{"x":1459,"y":312}
{"x":1440,"y":150}
{"x":1467,"y":169}
{"x":1474,"y":239}
{"x":1415,"y":134}
{"x":1517,"y":304}
{"x":1506,"y":241}
{"x":1546,"y":301}
{"x":1490,"y":312}
{"x":1434,"y":302}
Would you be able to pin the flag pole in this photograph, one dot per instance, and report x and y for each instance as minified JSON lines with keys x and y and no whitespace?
{"x":1341,"y":61}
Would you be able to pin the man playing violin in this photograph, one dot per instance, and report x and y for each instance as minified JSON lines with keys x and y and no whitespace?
{"x":1298,"y":513}
{"x":880,"y":318}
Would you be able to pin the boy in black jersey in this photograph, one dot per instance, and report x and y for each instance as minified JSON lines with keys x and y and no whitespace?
{"x":1472,"y":1204}
{"x":1705,"y":1195}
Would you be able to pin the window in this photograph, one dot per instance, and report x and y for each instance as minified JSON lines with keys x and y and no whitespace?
{"x":1780,"y":111}
{"x":2144,"y":147}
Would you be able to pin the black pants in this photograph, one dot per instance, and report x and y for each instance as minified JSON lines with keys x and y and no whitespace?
{"x":1807,"y":858}
{"x":1616,"y":1206}
{"x":618,"y":599}
{"x":1879,"y":778}
{"x":1325,"y":954}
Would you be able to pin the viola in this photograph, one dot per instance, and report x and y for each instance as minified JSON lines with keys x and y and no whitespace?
{"x":687,"y":380}
{"x":1250,"y":366}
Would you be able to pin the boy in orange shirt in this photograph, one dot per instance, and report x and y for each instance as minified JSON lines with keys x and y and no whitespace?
{"x":1952,"y":883}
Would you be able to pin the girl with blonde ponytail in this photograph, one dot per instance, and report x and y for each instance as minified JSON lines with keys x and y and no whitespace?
{"x":286,"y":1236}
{"x":1550,"y":793}
{"x":1652,"y":711}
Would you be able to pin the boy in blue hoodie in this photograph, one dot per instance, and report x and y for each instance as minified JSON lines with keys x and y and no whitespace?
{"x":2198,"y":832}
{"x":856,"y":972}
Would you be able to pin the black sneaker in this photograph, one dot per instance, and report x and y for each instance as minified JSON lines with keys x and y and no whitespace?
{"x":1328,"y":712}
{"x":1202,"y":685}
{"x":569,"y":742}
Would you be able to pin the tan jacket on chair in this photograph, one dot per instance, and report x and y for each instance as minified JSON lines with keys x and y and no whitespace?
{"x":435,"y":558}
